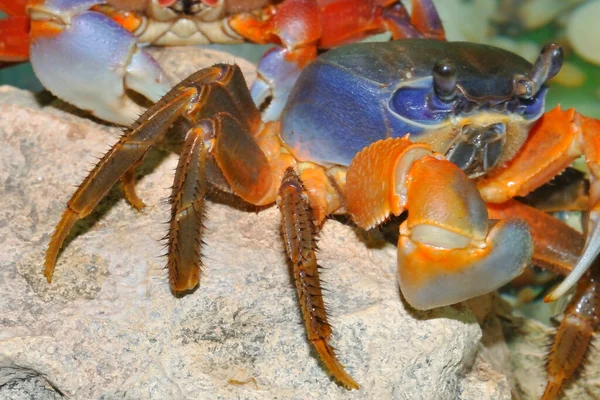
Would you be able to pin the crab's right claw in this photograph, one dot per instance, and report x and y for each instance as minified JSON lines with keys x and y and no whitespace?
{"x":102,"y":58}
{"x":447,"y":252}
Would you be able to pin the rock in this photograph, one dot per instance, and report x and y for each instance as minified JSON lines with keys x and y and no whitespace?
{"x":108,"y":326}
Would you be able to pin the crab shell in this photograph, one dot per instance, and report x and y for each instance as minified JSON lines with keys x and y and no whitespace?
{"x":351,"y":97}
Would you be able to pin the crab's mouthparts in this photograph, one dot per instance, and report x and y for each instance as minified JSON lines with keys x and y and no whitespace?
{"x":478,"y":148}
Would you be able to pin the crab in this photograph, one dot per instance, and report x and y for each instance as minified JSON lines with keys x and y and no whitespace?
{"x":86,"y":52}
{"x":449,"y":132}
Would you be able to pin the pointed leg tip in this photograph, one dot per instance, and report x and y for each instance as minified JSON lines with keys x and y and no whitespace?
{"x":48,"y":272}
{"x":335,"y":368}
{"x":139,"y":206}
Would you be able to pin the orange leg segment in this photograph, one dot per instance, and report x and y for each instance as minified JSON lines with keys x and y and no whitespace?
{"x":14,"y":39}
{"x":556,"y":245}
{"x":14,"y":7}
{"x":555,"y":141}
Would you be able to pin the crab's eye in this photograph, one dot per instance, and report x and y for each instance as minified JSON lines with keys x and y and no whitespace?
{"x":533,"y":107}
{"x":444,"y":80}
{"x":523,"y":88}
{"x":545,"y":68}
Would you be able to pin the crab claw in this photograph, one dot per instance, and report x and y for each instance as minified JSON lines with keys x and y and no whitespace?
{"x":447,"y":252}
{"x":102,"y":57}
{"x":433,"y":276}
{"x":277,"y":74}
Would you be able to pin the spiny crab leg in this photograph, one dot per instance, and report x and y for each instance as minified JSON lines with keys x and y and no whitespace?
{"x":187,"y":212}
{"x":575,"y":333}
{"x":299,"y":232}
{"x":226,"y":127}
{"x":128,"y":151}
{"x":557,"y":139}
{"x":65,"y":34}
{"x":447,"y":239}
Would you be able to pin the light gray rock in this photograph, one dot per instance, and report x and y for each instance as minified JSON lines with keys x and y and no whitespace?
{"x":108,"y":327}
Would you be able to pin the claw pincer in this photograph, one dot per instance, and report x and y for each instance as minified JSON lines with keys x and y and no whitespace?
{"x":103,"y":58}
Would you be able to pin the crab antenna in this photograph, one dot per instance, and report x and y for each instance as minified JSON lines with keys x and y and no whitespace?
{"x":444,"y":80}
{"x":546,"y":67}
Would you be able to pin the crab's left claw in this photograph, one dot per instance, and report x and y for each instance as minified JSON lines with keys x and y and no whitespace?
{"x":447,"y":251}
{"x":102,"y":57}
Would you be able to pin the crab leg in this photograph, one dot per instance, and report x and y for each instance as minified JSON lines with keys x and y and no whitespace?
{"x":129,"y":150}
{"x":13,"y":7}
{"x":574,"y":334}
{"x":424,"y":21}
{"x":187,"y":214}
{"x":14,"y":31}
{"x":14,"y":39}
{"x":103,"y":56}
{"x":558,"y":138}
{"x":225,"y":119}
{"x":557,"y":246}
{"x":299,"y":232}
{"x":447,"y":239}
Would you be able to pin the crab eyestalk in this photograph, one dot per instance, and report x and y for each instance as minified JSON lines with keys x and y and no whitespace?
{"x":545,"y":68}
{"x":444,"y":80}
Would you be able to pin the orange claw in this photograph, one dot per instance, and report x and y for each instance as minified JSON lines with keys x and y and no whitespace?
{"x":446,"y":240}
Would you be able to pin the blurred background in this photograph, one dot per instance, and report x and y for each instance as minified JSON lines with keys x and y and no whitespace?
{"x":522,"y":26}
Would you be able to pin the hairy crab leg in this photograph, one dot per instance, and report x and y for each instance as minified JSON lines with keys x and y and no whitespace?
{"x":131,"y":148}
{"x":574,"y":334}
{"x":108,"y":60}
{"x":447,"y":239}
{"x":299,"y":232}
{"x":557,"y":246}
{"x":557,"y":139}
{"x":187,"y":214}
{"x":217,"y":102}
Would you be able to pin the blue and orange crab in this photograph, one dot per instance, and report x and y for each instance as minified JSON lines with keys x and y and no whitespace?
{"x":449,"y":132}
{"x":86,"y":52}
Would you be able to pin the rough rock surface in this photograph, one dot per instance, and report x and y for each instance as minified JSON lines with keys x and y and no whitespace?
{"x":108,"y":326}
